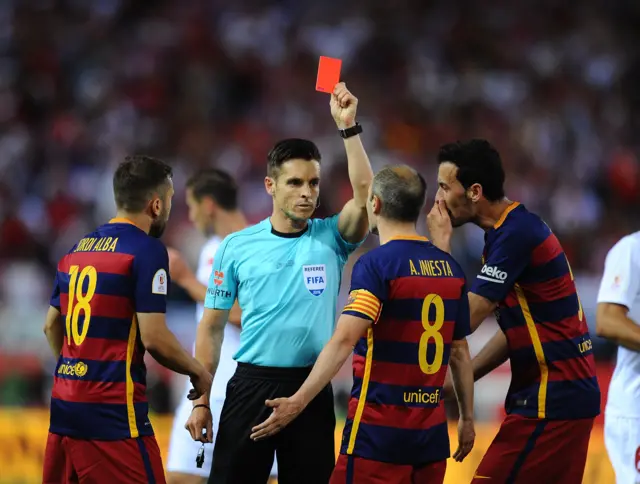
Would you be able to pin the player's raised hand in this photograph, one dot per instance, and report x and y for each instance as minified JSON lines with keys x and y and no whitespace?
{"x":439,"y":225}
{"x":466,"y":439}
{"x":285,"y":410}
{"x":199,"y":420}
{"x":343,"y":106}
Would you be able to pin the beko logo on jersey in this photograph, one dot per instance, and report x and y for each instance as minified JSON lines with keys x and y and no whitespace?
{"x":493,"y":274}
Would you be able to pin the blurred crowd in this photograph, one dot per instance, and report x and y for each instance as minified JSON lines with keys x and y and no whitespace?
{"x":552,"y":83}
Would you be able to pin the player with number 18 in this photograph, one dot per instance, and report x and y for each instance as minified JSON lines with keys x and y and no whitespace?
{"x":108,"y":308}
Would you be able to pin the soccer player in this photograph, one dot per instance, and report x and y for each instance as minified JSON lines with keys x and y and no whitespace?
{"x":108,"y":307}
{"x":408,"y":317}
{"x":617,"y":320}
{"x":526,"y":280}
{"x":285,"y":272}
{"x":212,"y":198}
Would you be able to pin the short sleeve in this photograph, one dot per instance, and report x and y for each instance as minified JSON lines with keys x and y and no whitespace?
{"x":463,"y":318}
{"x":343,"y":248}
{"x":223,"y":284}
{"x":368,"y":290}
{"x":55,"y":295}
{"x":506,"y":258}
{"x":151,"y":277}
{"x":620,"y":282}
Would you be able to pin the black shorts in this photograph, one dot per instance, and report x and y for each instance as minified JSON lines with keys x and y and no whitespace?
{"x":305,"y":449}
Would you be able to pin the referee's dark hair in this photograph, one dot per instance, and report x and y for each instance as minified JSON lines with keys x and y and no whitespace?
{"x":402,"y":191}
{"x":478,"y":162}
{"x":290,"y":149}
{"x":217,"y":184}
{"x":136,"y":179}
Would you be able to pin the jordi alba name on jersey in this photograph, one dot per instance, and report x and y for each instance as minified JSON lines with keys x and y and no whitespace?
{"x":99,"y":384}
{"x":287,"y":287}
{"x":415,"y":296}
{"x":526,"y":271}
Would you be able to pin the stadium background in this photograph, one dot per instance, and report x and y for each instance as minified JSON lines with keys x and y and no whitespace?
{"x":214,"y":83}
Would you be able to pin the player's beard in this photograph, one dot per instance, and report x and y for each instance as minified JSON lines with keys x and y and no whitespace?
{"x":458,"y":221}
{"x":158,"y":225}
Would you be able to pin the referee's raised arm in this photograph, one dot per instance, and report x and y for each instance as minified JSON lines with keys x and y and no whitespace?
{"x":352,"y":223}
{"x":285,"y":273}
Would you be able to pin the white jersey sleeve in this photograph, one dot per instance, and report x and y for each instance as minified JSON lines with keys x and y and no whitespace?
{"x":620,"y":282}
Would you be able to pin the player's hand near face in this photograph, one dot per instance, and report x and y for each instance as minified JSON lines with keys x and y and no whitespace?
{"x":439,"y":225}
{"x":285,"y":410}
{"x":199,"y":420}
{"x":466,"y":439}
{"x":343,"y":106}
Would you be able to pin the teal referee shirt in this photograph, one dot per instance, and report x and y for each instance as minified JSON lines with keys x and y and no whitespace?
{"x":287,"y":287}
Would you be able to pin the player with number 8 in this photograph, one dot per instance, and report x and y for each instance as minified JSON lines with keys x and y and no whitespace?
{"x":408,"y":318}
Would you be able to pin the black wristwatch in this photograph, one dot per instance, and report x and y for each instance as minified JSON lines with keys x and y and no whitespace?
{"x":352,"y":131}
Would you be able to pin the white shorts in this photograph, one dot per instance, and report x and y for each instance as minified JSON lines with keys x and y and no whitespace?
{"x":183,"y":449}
{"x":622,"y":440}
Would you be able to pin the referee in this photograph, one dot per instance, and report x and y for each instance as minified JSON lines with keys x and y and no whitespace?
{"x":285,"y":272}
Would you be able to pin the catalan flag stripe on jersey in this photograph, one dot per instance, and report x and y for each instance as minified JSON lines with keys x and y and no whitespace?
{"x":527,"y":272}
{"x":415,"y":296}
{"x":99,"y":385}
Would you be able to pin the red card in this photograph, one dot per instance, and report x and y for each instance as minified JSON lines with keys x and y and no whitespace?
{"x":328,"y":74}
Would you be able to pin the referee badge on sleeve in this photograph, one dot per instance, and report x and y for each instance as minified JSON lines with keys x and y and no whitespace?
{"x":315,"y":278}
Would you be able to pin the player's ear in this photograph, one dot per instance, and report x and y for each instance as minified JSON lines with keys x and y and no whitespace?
{"x":270,"y":185}
{"x":209,"y":205}
{"x":376,"y":204}
{"x":155,"y":207}
{"x":474,"y":192}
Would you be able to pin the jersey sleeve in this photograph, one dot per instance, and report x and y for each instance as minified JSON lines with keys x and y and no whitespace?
{"x":223,"y":284}
{"x":151,"y":277}
{"x":55,"y":294}
{"x":620,"y":282}
{"x":368,"y":291}
{"x":506,"y":258}
{"x":462,"y":328}
{"x":343,"y":248}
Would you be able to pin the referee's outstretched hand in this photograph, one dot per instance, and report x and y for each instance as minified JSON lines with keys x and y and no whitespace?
{"x":285,"y":410}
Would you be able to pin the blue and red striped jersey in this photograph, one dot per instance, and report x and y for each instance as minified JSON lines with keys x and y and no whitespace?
{"x":415,"y":295}
{"x":99,"y":389}
{"x":526,"y":271}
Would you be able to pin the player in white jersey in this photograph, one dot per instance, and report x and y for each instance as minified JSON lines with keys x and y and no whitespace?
{"x":618,"y":319}
{"x":212,"y":200}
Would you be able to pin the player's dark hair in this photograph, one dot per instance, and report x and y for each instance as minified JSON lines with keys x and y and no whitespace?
{"x":137,"y":179}
{"x":290,"y":149}
{"x":217,"y":184}
{"x":478,"y":162}
{"x":402,"y":191}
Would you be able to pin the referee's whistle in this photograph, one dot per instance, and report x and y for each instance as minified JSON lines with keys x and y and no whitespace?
{"x":200,"y":457}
